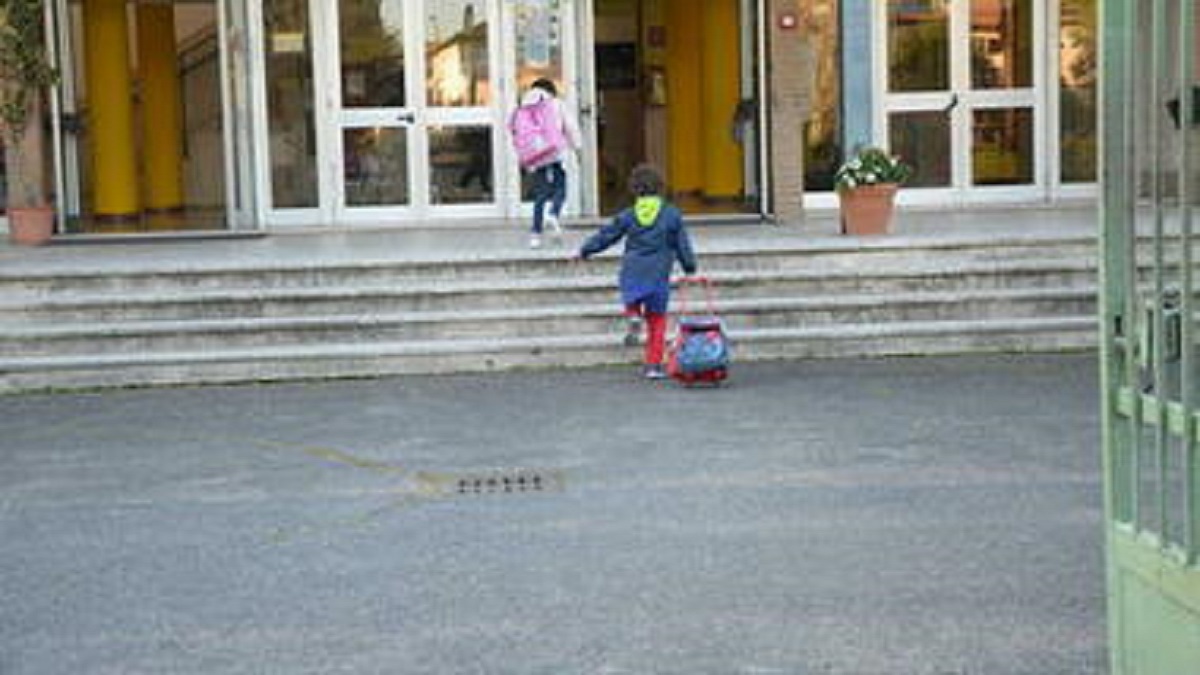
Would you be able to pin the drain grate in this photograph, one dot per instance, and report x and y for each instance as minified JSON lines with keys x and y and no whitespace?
{"x":498,"y":482}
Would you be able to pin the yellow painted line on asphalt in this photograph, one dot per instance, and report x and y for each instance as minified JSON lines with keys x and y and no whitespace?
{"x":332,"y":455}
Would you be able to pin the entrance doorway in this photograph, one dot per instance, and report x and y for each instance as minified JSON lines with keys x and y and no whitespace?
{"x":144,"y":126}
{"x":414,"y":115}
{"x":675,"y":86}
{"x":387,"y":111}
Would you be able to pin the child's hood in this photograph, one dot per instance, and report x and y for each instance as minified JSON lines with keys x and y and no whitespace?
{"x":646,"y":210}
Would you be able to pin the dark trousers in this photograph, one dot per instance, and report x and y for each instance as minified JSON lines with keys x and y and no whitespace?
{"x":549,"y":187}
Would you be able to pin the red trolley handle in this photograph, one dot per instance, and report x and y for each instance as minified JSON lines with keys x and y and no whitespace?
{"x":696,"y":280}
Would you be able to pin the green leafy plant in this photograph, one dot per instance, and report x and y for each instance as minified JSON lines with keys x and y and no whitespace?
{"x":25,"y":69}
{"x":871,"y":166}
{"x":25,"y":74}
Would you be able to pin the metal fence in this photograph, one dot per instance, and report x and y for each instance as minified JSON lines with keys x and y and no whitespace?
{"x":1149,"y":132}
{"x":1149,"y":304}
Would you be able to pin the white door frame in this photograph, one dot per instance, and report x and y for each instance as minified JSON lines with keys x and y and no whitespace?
{"x":962,"y":101}
{"x":268,"y":214}
{"x":242,"y":200}
{"x":65,"y":144}
{"x":766,"y":186}
{"x":584,"y":65}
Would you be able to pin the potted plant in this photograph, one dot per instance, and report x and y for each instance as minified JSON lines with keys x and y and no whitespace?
{"x":866,"y":186}
{"x":25,"y":73}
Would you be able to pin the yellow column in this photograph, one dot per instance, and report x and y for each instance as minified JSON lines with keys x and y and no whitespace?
{"x":684,"y":103}
{"x":722,"y":58}
{"x":110,"y":109}
{"x":162,"y":107}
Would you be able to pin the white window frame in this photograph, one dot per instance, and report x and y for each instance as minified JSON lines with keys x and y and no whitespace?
{"x":1041,"y":98}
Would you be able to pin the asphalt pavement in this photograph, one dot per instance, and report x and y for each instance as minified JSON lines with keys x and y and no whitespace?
{"x":875,"y":517}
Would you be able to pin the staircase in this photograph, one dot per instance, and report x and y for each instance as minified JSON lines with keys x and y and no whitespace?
{"x":232,"y":321}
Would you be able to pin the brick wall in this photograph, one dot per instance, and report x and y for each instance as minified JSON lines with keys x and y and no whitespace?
{"x":790,"y":77}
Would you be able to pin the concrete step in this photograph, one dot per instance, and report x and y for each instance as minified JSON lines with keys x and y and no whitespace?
{"x":828,"y":255}
{"x":275,"y":362}
{"x":527,"y":322}
{"x":241,"y":319}
{"x":470,"y":295}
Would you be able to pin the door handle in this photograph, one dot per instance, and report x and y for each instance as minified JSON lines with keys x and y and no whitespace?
{"x":953,"y":104}
{"x":407,"y":117}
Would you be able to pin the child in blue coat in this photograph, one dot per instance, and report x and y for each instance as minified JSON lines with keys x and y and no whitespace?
{"x":655,"y":238}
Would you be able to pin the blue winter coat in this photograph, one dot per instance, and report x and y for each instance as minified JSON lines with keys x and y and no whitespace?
{"x":654,"y":239}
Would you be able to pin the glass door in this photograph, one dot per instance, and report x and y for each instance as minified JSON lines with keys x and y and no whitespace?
{"x":460,"y":97}
{"x":539,"y":42}
{"x":292,"y":131}
{"x":375,"y":108}
{"x":413,"y":112}
{"x":961,"y":91}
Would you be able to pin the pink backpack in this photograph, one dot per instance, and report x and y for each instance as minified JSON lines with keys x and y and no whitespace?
{"x":537,"y":133}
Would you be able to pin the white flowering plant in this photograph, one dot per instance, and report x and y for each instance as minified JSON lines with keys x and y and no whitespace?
{"x":871,"y":166}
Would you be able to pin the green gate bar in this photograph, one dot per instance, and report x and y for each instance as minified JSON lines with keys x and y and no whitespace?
{"x":1158,"y":60}
{"x":1187,"y":67}
{"x":1148,"y":319}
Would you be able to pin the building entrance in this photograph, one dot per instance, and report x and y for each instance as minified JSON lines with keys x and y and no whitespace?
{"x":393,"y":111}
{"x":414,"y":108}
{"x":143,"y":140}
{"x":676,"y":86}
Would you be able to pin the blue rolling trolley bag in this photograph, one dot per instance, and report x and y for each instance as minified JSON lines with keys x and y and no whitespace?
{"x":699,"y":351}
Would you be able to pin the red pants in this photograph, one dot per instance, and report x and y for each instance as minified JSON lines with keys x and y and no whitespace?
{"x":656,"y":332}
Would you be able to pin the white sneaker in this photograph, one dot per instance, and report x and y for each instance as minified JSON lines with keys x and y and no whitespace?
{"x":654,"y":372}
{"x":554,"y":226}
{"x":535,"y":241}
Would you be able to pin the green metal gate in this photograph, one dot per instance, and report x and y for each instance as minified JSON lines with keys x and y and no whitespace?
{"x":1151,"y":150}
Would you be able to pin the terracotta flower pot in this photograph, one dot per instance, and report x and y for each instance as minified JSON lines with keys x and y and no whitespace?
{"x":31,"y":226}
{"x":867,"y":209}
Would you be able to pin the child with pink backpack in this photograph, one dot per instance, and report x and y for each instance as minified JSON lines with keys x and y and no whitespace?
{"x":542,"y":134}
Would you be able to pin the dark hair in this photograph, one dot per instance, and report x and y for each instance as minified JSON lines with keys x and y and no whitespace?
{"x":645,"y":181}
{"x":546,"y":85}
